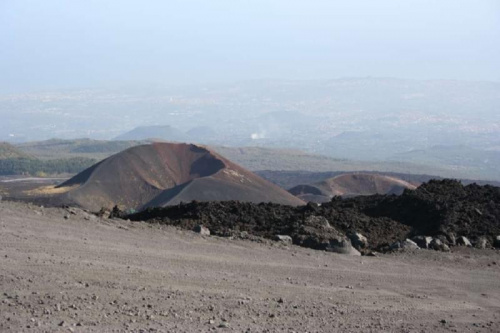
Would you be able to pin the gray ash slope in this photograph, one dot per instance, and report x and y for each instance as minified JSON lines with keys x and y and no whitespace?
{"x":444,"y":208}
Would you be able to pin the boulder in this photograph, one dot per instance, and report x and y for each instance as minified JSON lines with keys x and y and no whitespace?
{"x":342,"y":246}
{"x":452,"y":239}
{"x":423,"y":242}
{"x":116,"y":212}
{"x":443,"y":239}
{"x":395,"y":245}
{"x":463,"y":241}
{"x":438,"y":245}
{"x":313,"y":206}
{"x":283,"y":238}
{"x":497,"y":242}
{"x":202,"y":230}
{"x":482,"y":243}
{"x":358,"y":240}
{"x":104,"y":213}
{"x":318,"y":237}
{"x":407,"y":244}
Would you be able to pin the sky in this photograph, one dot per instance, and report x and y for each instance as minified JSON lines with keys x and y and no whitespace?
{"x":61,"y":44}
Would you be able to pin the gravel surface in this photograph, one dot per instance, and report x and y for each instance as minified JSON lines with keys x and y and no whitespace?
{"x":64,"y":271}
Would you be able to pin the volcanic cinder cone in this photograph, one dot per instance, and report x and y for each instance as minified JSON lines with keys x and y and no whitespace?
{"x":351,"y":184}
{"x":162,"y":174}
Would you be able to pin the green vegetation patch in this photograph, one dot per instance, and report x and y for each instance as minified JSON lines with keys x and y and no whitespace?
{"x":41,"y":168}
{"x":9,"y":151}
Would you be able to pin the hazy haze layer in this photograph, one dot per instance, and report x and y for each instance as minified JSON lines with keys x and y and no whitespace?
{"x":57,"y":44}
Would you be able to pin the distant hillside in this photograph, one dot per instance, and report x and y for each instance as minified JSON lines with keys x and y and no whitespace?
{"x":58,"y":149}
{"x":350,"y":184}
{"x":166,"y":133}
{"x":8,"y":151}
{"x":16,"y":160}
{"x":257,"y":158}
{"x":290,"y":179}
{"x":252,"y":158}
{"x":477,"y":162}
{"x":271,"y":159}
{"x":42,"y":168}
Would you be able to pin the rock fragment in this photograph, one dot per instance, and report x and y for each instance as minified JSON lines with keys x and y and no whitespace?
{"x":358,"y":240}
{"x":283,"y":238}
{"x":463,"y":241}
{"x":497,"y":242}
{"x":482,"y":243}
{"x":342,"y":246}
{"x":443,"y":239}
{"x":224,"y":324}
{"x":438,"y":245}
{"x":407,"y":244}
{"x":451,"y":238}
{"x":423,"y":242}
{"x":104,"y":213}
{"x":204,"y":231}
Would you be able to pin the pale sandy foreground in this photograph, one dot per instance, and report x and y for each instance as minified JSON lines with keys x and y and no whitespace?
{"x":97,"y":275}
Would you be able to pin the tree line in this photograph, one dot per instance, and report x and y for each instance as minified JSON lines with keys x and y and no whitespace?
{"x":36,"y":167}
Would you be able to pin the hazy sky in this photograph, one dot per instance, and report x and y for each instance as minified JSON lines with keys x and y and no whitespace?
{"x":46,"y":44}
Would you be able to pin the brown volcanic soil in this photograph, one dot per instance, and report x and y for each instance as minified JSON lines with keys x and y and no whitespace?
{"x":351,"y":184}
{"x":163,"y":174}
{"x":100,"y":275}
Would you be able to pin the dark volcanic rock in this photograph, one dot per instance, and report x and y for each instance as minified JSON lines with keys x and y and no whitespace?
{"x":284,"y":238}
{"x":407,"y":244}
{"x":438,"y":245}
{"x":358,"y":240}
{"x":310,"y":226}
{"x":445,"y":207}
{"x":343,"y":246}
{"x":463,"y":241}
{"x":482,"y":243}
{"x":201,"y":230}
{"x":440,"y":209}
{"x":423,"y":242}
{"x":496,"y":242}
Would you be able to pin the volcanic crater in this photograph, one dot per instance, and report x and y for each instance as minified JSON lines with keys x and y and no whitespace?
{"x":162,"y":174}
